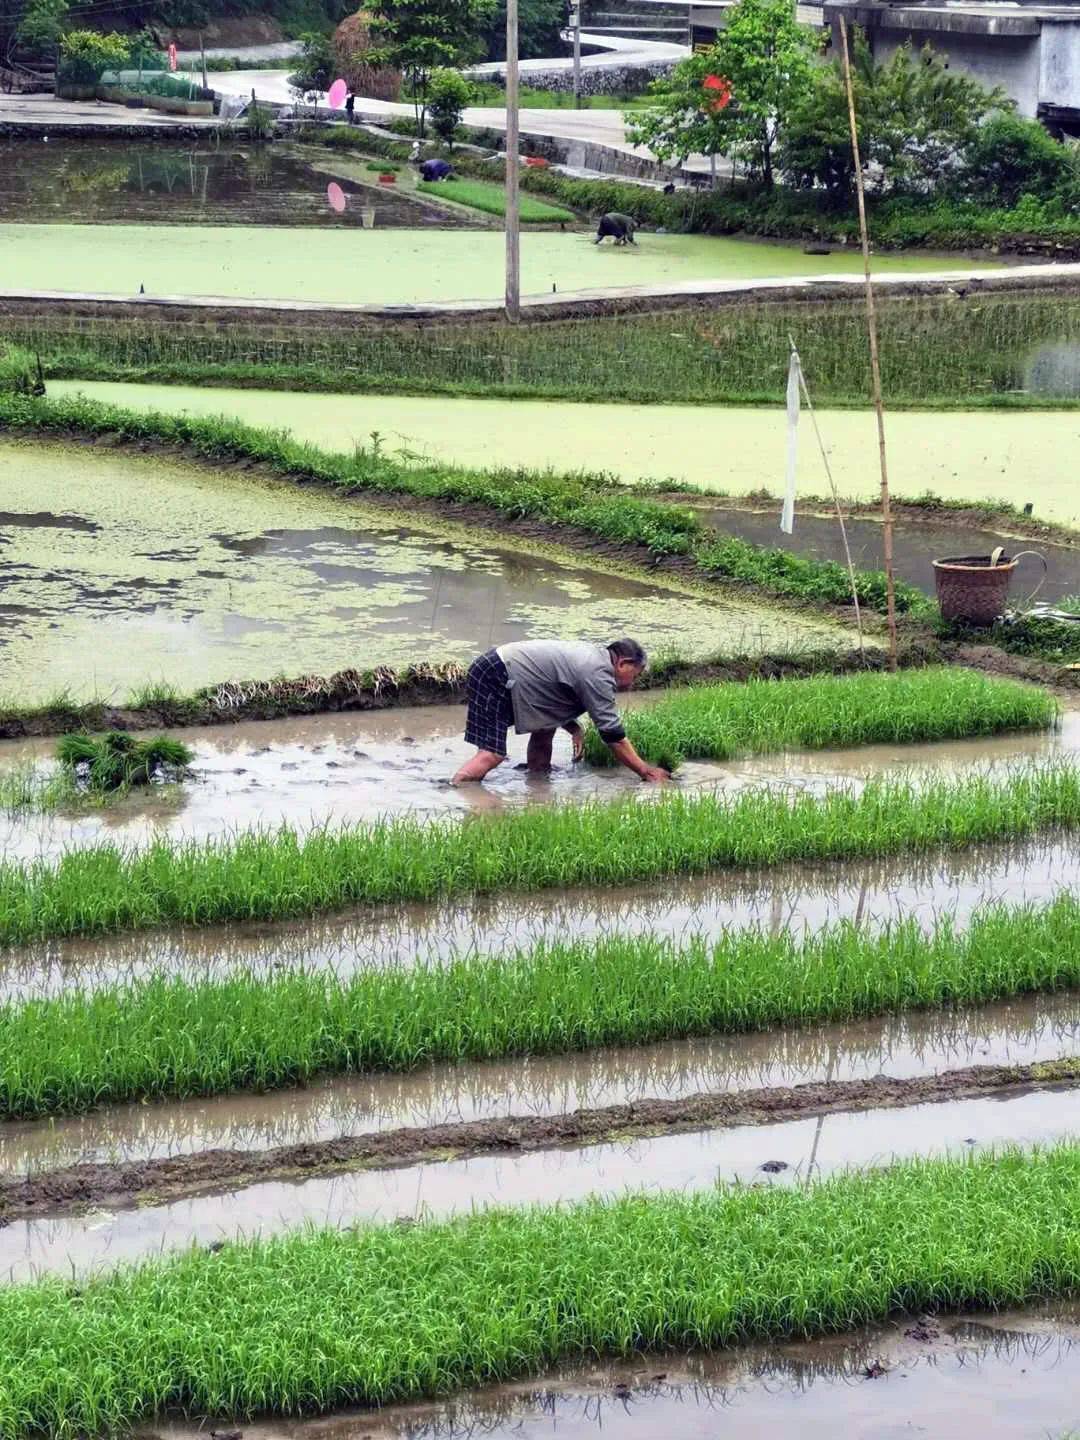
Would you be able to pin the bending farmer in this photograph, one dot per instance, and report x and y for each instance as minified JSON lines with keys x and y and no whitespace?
{"x":540,"y":686}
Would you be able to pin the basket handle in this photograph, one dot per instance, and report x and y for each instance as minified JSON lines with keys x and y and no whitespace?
{"x":1042,"y":578}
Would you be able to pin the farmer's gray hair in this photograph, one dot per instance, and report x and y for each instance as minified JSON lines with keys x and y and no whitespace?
{"x":627,"y":649}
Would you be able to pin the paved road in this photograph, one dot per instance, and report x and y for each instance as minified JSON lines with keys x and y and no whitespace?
{"x":52,"y":113}
{"x":618,"y":50}
{"x":278,"y":50}
{"x":593,"y":127}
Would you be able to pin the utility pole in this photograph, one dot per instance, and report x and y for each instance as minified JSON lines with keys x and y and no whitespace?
{"x":202,"y":52}
{"x":575,"y":21}
{"x":513,"y":145}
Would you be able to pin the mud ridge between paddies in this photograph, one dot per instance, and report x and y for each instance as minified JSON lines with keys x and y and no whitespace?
{"x":74,"y":1188}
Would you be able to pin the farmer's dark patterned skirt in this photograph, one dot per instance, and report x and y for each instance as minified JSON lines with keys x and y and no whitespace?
{"x":491,"y":711}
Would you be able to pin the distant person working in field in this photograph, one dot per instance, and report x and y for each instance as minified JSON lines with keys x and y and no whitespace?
{"x":436,"y":170}
{"x":540,"y":686}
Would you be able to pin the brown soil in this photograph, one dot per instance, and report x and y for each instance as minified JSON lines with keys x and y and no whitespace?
{"x":79,"y":1187}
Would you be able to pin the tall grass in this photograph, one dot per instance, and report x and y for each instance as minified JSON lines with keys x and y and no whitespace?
{"x":275,"y":875}
{"x":169,"y":1037}
{"x":316,"y":1319}
{"x":715,"y":722}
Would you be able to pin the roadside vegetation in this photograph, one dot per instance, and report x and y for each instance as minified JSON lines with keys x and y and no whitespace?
{"x":167,"y":1037}
{"x":280,"y":874}
{"x":317,"y":1319}
{"x":718,"y":722}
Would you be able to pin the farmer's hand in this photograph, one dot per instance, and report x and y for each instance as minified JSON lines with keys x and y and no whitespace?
{"x":654,"y":774}
{"x":577,"y":735}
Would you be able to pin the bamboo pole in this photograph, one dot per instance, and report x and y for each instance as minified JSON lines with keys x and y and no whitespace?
{"x":836,"y":499}
{"x":513,"y":145}
{"x":875,"y":365}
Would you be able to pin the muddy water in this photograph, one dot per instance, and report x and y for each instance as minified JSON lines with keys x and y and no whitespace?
{"x":1005,"y":455}
{"x":1011,"y":1375}
{"x":333,"y":769}
{"x":1017,"y":1032}
{"x":98,"y":184}
{"x":692,"y":1161}
{"x":915,"y":547}
{"x":391,"y":267}
{"x":798,"y":898}
{"x":166,"y":572}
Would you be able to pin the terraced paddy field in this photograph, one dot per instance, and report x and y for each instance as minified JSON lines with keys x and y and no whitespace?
{"x":388,"y":267}
{"x":123,"y":571}
{"x":1009,"y":456}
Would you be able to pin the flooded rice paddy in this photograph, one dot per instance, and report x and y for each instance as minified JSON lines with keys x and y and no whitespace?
{"x":976,"y":456}
{"x":123,"y":570}
{"x":796,"y":898}
{"x":340,"y":768}
{"x":387,"y":267}
{"x":1015,"y":1032}
{"x":685,"y":1162}
{"x":95,"y":184}
{"x":1012,"y":1375}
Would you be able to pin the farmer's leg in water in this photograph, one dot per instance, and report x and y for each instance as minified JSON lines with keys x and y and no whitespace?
{"x":490,"y":716}
{"x":538,"y":755}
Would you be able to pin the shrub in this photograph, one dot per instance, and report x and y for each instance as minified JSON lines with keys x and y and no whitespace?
{"x":448,"y":94}
{"x":1010,"y":157}
{"x":85,"y":55}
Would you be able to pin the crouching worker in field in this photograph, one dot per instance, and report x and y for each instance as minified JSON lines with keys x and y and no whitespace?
{"x":620,"y":227}
{"x":540,"y":686}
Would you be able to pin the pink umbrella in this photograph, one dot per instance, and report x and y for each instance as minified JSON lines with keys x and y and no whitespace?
{"x":336,"y":196}
{"x":335,"y":96}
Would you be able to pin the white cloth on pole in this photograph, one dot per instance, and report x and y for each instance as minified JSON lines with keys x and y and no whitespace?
{"x":787,"y":515}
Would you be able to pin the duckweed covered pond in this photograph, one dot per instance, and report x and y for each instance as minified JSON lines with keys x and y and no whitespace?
{"x":386,"y":267}
{"x":1007,"y":455}
{"x":123,"y":570}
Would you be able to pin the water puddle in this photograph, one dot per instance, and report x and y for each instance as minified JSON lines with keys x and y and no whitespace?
{"x":915,"y":546}
{"x":692,"y":1161}
{"x":1012,"y":1375}
{"x":341,"y":768}
{"x":166,"y":572}
{"x":797,"y":898}
{"x":1014,"y":1032}
{"x":102,"y":184}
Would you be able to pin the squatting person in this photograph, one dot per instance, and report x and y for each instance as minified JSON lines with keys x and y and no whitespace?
{"x":540,"y":686}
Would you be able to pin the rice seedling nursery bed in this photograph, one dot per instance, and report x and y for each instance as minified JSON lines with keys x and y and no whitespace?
{"x":1009,"y":351}
{"x":169,"y":1037}
{"x":717,"y":722}
{"x":315,"y":1319}
{"x":277,"y":875}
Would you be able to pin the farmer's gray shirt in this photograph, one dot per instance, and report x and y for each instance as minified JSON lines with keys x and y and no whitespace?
{"x":554,"y":681}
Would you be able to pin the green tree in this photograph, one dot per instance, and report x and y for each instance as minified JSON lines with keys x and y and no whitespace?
{"x":764,"y":56}
{"x":419,"y":36}
{"x":1009,"y":157}
{"x":42,"y":26}
{"x":540,"y":27}
{"x":916,"y":120}
{"x":317,"y":68}
{"x":448,"y":94}
{"x":85,"y":55}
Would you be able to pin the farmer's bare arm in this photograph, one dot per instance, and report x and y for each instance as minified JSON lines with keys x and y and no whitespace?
{"x":574,"y":730}
{"x":626,"y":755}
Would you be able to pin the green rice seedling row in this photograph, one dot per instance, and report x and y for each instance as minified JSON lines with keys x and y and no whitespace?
{"x":717,"y":722}
{"x":169,"y":1037}
{"x":279,"y":874}
{"x":315,"y":1319}
{"x":482,"y":195}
